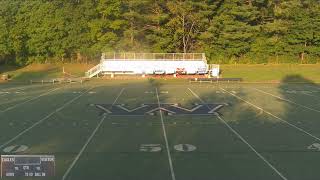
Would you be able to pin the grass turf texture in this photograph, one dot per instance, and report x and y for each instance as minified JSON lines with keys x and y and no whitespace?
{"x":249,"y":73}
{"x":44,"y":71}
{"x":271,"y":72}
{"x":114,"y":151}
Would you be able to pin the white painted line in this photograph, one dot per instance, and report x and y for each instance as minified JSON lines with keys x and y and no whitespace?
{"x":313,"y":87}
{"x":114,"y":102}
{"x":310,"y":95}
{"x":14,"y":100}
{"x":244,"y":141}
{"x":287,"y":100}
{"x":29,"y":100}
{"x":130,"y":110}
{"x":269,"y":113}
{"x":43,"y":119}
{"x":89,"y":140}
{"x":19,"y":88}
{"x":253,"y":149}
{"x":83,"y":148}
{"x":166,"y":139}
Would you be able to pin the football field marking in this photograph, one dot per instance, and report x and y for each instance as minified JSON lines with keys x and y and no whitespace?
{"x":173,"y":176}
{"x":29,"y":100}
{"x":252,"y":148}
{"x":315,"y":87}
{"x":269,"y":113}
{"x":89,"y":140}
{"x":287,"y":100}
{"x":43,"y":119}
{"x":311,"y":95}
{"x":20,"y":88}
{"x":244,"y":141}
{"x":14,"y":100}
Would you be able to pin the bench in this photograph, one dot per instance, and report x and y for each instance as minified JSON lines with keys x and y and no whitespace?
{"x":211,"y":80}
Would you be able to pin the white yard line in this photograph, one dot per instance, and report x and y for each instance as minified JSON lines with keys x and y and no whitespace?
{"x":287,"y":100}
{"x":313,"y":87}
{"x":252,"y":148}
{"x":83,"y":148}
{"x":43,"y":119}
{"x":13,"y":100}
{"x":89,"y":140}
{"x":19,"y":88}
{"x":244,"y":141}
{"x":166,"y":139}
{"x":115,"y":101}
{"x":311,"y":95}
{"x":269,"y":113}
{"x":29,"y":100}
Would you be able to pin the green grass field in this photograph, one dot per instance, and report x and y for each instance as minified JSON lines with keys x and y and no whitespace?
{"x":249,"y":73}
{"x":271,"y":72}
{"x":264,"y":131}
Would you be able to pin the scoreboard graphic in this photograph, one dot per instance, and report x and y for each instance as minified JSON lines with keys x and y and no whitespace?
{"x":27,"y":166}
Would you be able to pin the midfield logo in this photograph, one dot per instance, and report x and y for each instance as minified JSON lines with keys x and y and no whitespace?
{"x":153,"y":109}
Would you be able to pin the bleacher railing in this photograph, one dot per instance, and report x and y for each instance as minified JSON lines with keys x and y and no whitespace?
{"x":154,"y":56}
{"x":93,"y":71}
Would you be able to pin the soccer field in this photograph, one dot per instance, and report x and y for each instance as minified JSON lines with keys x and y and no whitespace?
{"x":158,"y":130}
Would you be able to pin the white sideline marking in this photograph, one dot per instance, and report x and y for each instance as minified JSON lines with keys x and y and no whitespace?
{"x":24,"y":102}
{"x":244,"y":141}
{"x":287,"y":100}
{"x":88,"y":141}
{"x":165,"y":138}
{"x":269,"y":113}
{"x":43,"y":119}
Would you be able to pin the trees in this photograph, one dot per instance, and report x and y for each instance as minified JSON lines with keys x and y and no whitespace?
{"x":187,"y":19}
{"x":304,"y":29}
{"x":233,"y":29}
{"x":41,"y":31}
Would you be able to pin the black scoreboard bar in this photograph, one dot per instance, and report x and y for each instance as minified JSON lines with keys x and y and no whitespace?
{"x":27,"y":166}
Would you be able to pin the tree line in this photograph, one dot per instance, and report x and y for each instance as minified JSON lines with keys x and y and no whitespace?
{"x":228,"y":31}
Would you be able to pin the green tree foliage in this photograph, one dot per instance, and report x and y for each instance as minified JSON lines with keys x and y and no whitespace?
{"x":233,"y":29}
{"x":259,"y":30}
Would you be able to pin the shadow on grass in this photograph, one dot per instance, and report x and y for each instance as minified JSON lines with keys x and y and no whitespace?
{"x":220,"y":154}
{"x":284,"y":145}
{"x":295,"y":78}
